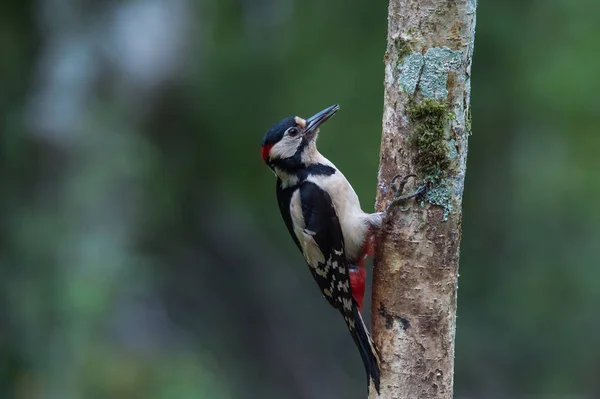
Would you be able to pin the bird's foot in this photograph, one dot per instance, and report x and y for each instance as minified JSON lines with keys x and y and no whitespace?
{"x":399,"y":189}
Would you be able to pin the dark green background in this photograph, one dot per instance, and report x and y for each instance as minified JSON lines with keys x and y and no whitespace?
{"x":142,"y":254}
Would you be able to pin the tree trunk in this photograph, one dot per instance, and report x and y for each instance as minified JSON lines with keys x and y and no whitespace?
{"x":426,"y":123}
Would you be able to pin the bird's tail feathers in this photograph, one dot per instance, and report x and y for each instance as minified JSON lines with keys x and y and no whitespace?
{"x":366,"y":347}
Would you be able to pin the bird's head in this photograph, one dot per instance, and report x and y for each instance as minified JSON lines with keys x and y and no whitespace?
{"x":288,"y":140}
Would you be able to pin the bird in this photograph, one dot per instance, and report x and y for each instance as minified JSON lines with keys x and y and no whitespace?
{"x":323,"y":215}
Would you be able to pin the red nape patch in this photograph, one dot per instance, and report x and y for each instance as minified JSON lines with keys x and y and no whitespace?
{"x":266,"y":149}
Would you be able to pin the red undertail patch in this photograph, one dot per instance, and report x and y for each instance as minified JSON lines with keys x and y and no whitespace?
{"x":357,"y":283}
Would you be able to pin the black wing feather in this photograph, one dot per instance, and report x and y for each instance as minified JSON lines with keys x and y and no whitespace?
{"x":321,"y":219}
{"x":322,"y":222}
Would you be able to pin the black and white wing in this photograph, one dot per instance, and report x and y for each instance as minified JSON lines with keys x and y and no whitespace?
{"x":318,"y":230}
{"x":315,"y":224}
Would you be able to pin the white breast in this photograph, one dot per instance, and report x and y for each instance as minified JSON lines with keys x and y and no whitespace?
{"x":353,"y":221}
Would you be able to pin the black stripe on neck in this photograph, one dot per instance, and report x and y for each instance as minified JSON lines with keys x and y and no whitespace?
{"x":318,"y":169}
{"x":293,"y":163}
{"x":301,"y":174}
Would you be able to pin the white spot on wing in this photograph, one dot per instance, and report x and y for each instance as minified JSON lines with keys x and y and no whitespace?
{"x":310,"y":249}
{"x":343,"y":286}
{"x":347,"y":304}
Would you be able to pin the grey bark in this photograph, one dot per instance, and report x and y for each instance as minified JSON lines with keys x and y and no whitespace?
{"x":426,"y":123}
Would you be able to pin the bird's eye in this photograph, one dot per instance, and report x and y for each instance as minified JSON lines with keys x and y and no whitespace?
{"x":292,"y":131}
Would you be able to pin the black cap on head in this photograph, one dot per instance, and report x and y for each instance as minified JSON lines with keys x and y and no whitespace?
{"x":308,"y":129}
{"x":275,"y":133}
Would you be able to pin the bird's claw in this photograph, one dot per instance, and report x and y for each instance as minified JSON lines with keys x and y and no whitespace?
{"x":399,"y":189}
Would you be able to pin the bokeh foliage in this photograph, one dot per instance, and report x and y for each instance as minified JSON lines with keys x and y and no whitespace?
{"x":141,"y":251}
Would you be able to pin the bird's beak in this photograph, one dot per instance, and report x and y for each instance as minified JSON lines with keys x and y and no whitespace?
{"x":313,"y":123}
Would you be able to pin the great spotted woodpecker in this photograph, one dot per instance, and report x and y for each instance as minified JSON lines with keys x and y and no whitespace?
{"x":323,"y":215}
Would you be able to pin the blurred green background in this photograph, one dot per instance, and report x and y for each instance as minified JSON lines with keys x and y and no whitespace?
{"x":142,"y":253}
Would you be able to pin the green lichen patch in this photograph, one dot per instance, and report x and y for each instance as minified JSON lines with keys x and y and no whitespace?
{"x":437,"y":63}
{"x":429,"y":118}
{"x":440,"y":195}
{"x":410,"y":72}
{"x":408,"y":64}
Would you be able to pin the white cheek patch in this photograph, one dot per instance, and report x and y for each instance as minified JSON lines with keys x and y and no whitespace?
{"x":300,"y":121}
{"x":285,"y":148}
